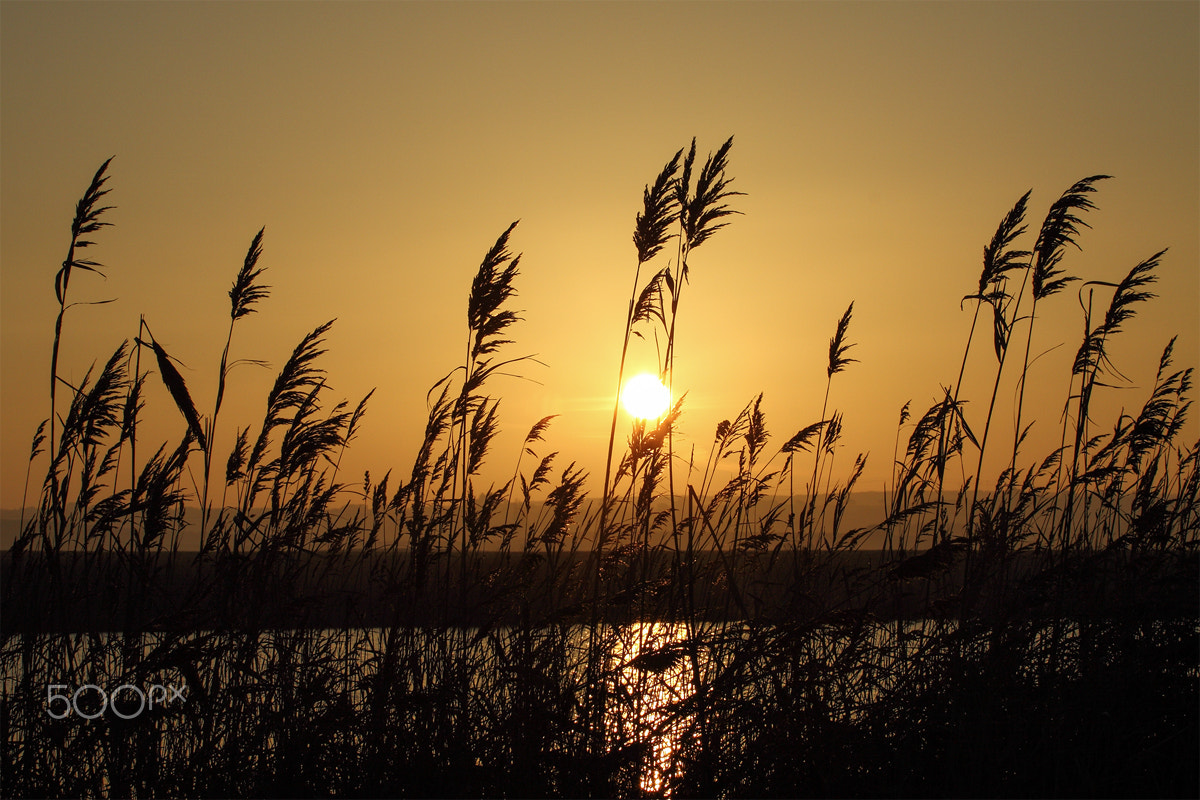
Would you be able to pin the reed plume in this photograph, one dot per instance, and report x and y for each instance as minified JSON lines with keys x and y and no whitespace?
{"x":1059,"y":228}
{"x":660,"y":210}
{"x":247,"y":291}
{"x":838,"y":360}
{"x":86,"y":222}
{"x":1091,"y":362}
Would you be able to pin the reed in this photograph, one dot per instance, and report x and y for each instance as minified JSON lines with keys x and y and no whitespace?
{"x":436,"y":635}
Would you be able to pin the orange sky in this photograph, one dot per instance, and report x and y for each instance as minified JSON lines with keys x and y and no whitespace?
{"x":386,"y":145}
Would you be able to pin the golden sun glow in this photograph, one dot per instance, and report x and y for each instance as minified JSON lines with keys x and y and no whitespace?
{"x":645,"y":397}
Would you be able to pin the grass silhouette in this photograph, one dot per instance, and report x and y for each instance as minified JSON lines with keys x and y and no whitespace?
{"x":432,"y":637}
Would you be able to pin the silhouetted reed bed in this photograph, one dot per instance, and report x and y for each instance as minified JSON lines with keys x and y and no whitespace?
{"x":330,"y":592}
{"x":425,"y":636}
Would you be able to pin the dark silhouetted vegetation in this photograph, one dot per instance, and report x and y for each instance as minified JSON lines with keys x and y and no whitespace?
{"x":431,"y":633}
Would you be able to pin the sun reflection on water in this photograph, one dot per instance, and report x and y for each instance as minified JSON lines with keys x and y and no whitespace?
{"x":655,"y":686}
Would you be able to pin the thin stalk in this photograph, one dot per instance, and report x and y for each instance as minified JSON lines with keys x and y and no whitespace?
{"x":1003,"y":354}
{"x":137,"y":371}
{"x":1012,"y":464}
{"x":612,"y":431}
{"x":669,"y":367}
{"x":212,"y":427}
{"x":459,"y":508}
{"x":660,"y":210}
{"x":812,"y":484}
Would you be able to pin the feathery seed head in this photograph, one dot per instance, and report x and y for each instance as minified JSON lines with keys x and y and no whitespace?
{"x":997,"y":259}
{"x":838,"y":345}
{"x":699,"y":212}
{"x":1059,"y":229}
{"x":245,"y":292}
{"x":660,"y":210}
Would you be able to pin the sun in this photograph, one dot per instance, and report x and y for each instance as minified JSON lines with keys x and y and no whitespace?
{"x":645,"y":397}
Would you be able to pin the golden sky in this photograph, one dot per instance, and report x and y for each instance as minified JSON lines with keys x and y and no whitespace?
{"x":386,"y":145}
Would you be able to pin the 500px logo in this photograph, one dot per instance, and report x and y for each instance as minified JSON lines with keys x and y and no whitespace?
{"x":133,"y":701}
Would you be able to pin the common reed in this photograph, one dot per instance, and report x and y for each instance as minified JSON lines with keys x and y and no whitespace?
{"x":437,"y":635}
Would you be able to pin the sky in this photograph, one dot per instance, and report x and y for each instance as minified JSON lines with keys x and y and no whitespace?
{"x":385,"y":145}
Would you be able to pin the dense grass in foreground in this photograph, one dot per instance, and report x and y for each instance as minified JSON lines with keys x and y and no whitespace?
{"x":1035,"y":637}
